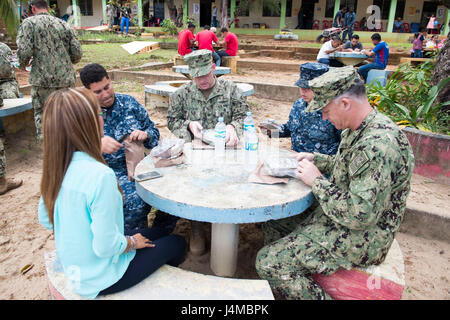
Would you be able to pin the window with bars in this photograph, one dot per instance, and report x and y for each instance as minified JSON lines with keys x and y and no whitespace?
{"x":273,"y":9}
{"x":86,"y":7}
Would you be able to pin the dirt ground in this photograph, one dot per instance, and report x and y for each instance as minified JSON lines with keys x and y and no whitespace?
{"x":23,"y":240}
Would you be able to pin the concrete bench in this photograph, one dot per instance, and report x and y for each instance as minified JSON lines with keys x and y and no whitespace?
{"x":230,"y":62}
{"x":383,"y":282}
{"x":13,"y":107}
{"x":157,"y":95}
{"x":380,"y":76}
{"x":167,"y":283}
{"x":179,"y":60}
{"x":413,"y":61}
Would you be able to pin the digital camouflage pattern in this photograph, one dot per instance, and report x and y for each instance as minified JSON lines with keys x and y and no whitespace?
{"x":9,"y":87}
{"x":2,"y":148}
{"x":189,"y":104}
{"x":330,"y":85}
{"x":360,"y":207}
{"x":53,"y":47}
{"x":309,"y":71}
{"x":110,"y":14}
{"x":309,"y":132}
{"x":121,"y":119}
{"x":199,"y":62}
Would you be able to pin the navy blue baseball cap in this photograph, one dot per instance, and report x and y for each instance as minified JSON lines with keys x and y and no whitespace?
{"x":309,"y":71}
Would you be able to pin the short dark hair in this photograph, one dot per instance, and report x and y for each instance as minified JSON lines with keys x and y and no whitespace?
{"x":355,"y":36}
{"x":39,"y":4}
{"x":335,"y":38}
{"x":224,"y":29}
{"x":92,"y":73}
{"x":206,"y":27}
{"x":376,"y":36}
{"x":191,"y":25}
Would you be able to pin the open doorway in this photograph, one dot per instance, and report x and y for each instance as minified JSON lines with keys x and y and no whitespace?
{"x":429,"y":8}
{"x":307,"y":11}
{"x":205,"y":13}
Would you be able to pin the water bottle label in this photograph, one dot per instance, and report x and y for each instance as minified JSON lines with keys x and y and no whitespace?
{"x":220,"y":134}
{"x":248,"y":126}
{"x":252,"y":146}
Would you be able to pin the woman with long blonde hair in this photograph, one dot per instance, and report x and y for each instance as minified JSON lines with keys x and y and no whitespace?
{"x":82,"y":203}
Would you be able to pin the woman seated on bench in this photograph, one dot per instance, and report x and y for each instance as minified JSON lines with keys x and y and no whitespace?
{"x":82,"y":203}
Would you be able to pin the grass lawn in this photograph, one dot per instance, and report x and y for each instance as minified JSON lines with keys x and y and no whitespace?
{"x":113,"y":56}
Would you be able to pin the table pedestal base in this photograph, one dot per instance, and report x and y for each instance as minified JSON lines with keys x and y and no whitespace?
{"x":224,"y":248}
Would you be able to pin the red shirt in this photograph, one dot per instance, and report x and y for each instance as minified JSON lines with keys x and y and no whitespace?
{"x":184,"y":44}
{"x":232,"y":44}
{"x":205,"y":39}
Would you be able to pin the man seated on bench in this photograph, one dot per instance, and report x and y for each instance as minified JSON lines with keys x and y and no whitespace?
{"x":186,"y":40}
{"x":124,"y":116}
{"x":308,"y":131}
{"x":230,"y":42}
{"x":205,"y":40}
{"x":381,"y":53}
{"x":360,"y":207}
{"x":329,"y":47}
{"x":353,"y":45}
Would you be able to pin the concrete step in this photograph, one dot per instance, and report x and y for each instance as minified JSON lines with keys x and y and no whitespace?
{"x":286,"y":66}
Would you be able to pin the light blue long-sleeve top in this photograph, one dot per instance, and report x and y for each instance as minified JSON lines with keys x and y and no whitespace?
{"x":89,"y":226}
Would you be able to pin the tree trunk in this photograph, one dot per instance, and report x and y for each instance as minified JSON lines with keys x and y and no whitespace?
{"x":442,"y":69}
{"x":224,"y":15}
{"x":172,"y":10}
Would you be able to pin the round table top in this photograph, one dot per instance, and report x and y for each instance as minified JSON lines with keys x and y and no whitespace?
{"x":202,"y":190}
{"x":184,"y":69}
{"x":344,"y":54}
{"x":14,"y":106}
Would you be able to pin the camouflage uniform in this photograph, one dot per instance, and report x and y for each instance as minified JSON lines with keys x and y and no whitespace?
{"x":9,"y":89}
{"x":110,"y":14}
{"x":121,"y":119}
{"x":308,"y":132}
{"x":54,"y":47}
{"x":8,"y":84}
{"x":2,"y":148}
{"x":358,"y":210}
{"x":189,"y":104}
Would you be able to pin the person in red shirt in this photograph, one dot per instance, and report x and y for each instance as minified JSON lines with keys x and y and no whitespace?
{"x":231,"y":43}
{"x":186,"y":40}
{"x":205,"y":40}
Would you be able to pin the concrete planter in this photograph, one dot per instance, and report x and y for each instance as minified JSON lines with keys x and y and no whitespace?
{"x":431,"y":153}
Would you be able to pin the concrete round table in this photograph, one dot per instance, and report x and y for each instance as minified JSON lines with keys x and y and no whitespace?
{"x":211,"y":189}
{"x":349,"y":58}
{"x":184,"y":69}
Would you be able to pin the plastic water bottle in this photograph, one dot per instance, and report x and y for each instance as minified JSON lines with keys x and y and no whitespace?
{"x":251,"y":150}
{"x":248,"y":124}
{"x":219,"y":138}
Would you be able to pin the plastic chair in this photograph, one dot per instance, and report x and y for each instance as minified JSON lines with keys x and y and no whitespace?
{"x":356,"y":26}
{"x":325,"y":24}
{"x":157,"y":22}
{"x":406,"y":28}
{"x":316,"y":25}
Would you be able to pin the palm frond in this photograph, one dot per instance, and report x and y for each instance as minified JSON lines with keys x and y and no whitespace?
{"x":10,"y":16}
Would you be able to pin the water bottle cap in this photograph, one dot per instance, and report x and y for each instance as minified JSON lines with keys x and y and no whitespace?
{"x":249,"y":113}
{"x":220,"y":119}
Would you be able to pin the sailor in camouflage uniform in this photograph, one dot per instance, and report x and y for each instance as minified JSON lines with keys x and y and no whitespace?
{"x":53,"y":47}
{"x":123,"y":116}
{"x":308,"y":132}
{"x":9,"y":89}
{"x":8,"y":83}
{"x":197,"y":105}
{"x":359,"y":208}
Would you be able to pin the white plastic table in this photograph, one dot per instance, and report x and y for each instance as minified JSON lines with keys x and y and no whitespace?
{"x":209,"y":190}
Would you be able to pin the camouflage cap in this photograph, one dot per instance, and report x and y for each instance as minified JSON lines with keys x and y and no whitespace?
{"x":331,"y":85}
{"x":199,"y":62}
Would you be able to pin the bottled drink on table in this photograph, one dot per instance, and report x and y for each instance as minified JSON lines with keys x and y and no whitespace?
{"x":219,"y":138}
{"x":248,"y":124}
{"x":251,"y":150}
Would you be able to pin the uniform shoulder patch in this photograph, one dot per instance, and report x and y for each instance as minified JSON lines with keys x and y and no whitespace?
{"x":360,"y":160}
